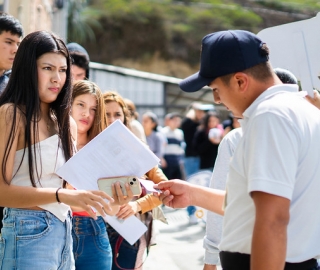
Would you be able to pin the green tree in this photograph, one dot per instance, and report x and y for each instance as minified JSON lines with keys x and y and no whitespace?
{"x":83,"y":20}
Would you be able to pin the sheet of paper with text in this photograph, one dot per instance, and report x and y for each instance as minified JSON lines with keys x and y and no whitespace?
{"x":114,"y":152}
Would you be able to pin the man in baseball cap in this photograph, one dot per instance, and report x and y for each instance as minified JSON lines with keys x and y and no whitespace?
{"x":223,"y":53}
{"x":271,"y":220}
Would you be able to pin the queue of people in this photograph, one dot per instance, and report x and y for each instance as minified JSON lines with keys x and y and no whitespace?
{"x":49,"y":110}
{"x":37,"y":136}
{"x":46,"y":117}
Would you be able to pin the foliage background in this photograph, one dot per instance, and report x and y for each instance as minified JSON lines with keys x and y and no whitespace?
{"x":164,"y":36}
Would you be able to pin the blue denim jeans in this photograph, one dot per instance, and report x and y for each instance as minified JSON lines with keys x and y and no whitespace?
{"x":191,"y":210}
{"x":191,"y":165}
{"x":91,"y":247}
{"x":127,"y":254}
{"x":35,"y":239}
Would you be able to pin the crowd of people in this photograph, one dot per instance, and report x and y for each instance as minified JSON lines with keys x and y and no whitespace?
{"x":50,"y":110}
{"x":268,"y":167}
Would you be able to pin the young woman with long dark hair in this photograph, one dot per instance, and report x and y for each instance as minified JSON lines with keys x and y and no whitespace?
{"x":36,"y":139}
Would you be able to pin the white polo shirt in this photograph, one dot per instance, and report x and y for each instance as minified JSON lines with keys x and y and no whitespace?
{"x":279,"y":154}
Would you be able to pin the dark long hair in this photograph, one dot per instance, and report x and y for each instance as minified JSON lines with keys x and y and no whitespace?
{"x":205,"y":120}
{"x":22,"y":92}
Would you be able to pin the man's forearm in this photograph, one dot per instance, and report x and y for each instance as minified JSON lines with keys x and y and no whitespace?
{"x":208,"y":198}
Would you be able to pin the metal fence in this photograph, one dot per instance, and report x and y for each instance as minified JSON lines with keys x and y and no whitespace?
{"x":149,"y":91}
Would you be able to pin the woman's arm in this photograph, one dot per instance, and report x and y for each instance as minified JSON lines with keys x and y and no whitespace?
{"x":26,"y":197}
{"x":149,"y":201}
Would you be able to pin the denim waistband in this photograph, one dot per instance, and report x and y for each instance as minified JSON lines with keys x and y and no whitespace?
{"x":88,"y":226}
{"x":23,"y":212}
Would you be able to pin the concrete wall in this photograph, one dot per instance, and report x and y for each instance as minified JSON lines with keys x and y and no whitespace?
{"x":37,"y":15}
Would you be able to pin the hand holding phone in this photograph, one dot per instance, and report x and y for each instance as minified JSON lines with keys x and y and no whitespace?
{"x":105,"y":184}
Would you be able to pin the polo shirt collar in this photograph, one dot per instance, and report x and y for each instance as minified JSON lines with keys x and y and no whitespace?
{"x":271,"y":91}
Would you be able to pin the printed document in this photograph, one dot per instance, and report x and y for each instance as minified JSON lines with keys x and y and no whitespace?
{"x":116,"y":151}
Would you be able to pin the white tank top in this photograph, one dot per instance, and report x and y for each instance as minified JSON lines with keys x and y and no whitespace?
{"x":49,"y":159}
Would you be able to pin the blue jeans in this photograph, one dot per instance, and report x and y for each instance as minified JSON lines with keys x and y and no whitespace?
{"x":127,"y":254}
{"x":35,"y":239}
{"x":191,"y":165}
{"x":191,"y":210}
{"x":91,"y":247}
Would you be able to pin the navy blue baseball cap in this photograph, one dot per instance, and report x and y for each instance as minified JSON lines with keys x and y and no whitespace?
{"x":223,"y":53}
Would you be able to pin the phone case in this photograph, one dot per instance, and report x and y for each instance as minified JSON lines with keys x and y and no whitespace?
{"x":104,"y":184}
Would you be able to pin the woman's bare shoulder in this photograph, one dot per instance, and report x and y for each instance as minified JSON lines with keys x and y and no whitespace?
{"x":7,"y":114}
{"x":7,"y":111}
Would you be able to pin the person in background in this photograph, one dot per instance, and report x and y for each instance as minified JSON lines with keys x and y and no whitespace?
{"x":80,"y":62}
{"x":285,"y":75}
{"x":154,"y":138}
{"x":218,"y":181}
{"x":191,"y":161}
{"x":206,"y":140}
{"x":230,"y":124}
{"x":128,"y":256}
{"x":91,"y":247}
{"x":173,"y":150}
{"x":10,"y":37}
{"x":189,"y":127}
{"x":135,"y":125}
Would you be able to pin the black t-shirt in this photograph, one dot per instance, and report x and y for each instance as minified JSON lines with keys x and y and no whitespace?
{"x":189,"y":128}
{"x":207,"y":151}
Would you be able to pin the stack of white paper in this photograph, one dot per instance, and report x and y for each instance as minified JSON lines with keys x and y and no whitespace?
{"x":114,"y":152}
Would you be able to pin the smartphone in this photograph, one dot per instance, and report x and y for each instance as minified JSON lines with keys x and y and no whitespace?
{"x":105,"y":184}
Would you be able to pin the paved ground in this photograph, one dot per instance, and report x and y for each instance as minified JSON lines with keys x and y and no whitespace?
{"x":179,"y":245}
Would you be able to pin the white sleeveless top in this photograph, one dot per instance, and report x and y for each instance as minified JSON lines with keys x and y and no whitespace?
{"x":49,"y":159}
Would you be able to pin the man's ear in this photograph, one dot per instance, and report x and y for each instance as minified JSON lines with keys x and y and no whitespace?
{"x":242,"y":80}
